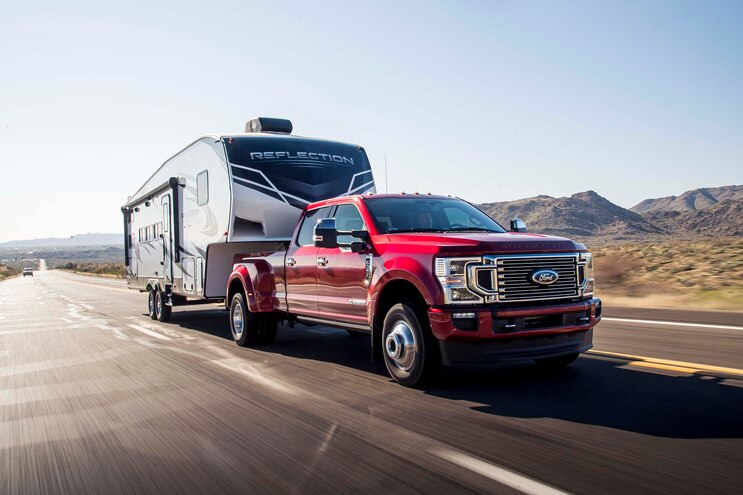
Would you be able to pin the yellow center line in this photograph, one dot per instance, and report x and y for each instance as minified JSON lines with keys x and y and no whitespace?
{"x":667,"y":364}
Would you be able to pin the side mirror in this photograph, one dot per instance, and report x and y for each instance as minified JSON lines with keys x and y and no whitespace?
{"x":360,"y":234}
{"x":518,"y":225}
{"x":325,"y":234}
{"x":359,"y":247}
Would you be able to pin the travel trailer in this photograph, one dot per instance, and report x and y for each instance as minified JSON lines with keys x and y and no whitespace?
{"x":225,"y":195}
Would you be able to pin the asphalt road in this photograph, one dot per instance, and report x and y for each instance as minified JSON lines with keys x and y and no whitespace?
{"x":97,"y":398}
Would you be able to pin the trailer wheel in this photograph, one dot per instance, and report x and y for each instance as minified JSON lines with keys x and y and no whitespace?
{"x":411,"y":352}
{"x":151,"y":304}
{"x":162,"y":310}
{"x":558,"y":362}
{"x":245,"y":326}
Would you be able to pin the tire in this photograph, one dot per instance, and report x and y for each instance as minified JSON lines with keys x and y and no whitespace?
{"x":162,"y":310}
{"x":411,"y":352}
{"x":269,"y":326}
{"x":559,"y":361}
{"x":245,"y":326}
{"x":151,"y":304}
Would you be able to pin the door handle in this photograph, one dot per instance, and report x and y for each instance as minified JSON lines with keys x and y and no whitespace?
{"x":291,"y":262}
{"x":322,"y":261}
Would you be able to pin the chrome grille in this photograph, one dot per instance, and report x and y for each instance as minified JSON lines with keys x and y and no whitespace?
{"x":514,"y":283}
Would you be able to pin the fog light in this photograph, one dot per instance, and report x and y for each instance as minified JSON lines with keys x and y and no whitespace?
{"x":461,"y":316}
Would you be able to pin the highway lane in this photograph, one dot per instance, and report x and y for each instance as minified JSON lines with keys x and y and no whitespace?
{"x":98,"y":398}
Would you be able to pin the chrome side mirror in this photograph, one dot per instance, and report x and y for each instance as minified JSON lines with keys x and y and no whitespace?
{"x":518,"y":225}
{"x":325,"y":233}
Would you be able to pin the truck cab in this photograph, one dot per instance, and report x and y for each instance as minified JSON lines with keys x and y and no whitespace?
{"x":431,"y":279}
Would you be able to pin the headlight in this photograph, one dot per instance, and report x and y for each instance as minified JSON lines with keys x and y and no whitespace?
{"x":586,"y":264}
{"x":452,"y":274}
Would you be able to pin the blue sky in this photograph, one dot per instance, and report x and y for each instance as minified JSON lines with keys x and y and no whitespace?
{"x":489,"y":101}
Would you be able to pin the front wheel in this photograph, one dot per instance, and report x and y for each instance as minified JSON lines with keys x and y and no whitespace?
{"x":411,"y":352}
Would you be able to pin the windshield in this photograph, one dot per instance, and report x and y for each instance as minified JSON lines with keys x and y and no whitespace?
{"x":426,"y":214}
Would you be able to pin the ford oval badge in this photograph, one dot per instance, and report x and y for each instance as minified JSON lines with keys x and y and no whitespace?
{"x":545,"y":277}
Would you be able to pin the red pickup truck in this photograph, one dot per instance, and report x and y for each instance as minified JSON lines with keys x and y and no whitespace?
{"x":432,"y":279}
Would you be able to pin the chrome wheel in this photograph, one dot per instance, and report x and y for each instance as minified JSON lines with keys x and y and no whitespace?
{"x":237,"y":321}
{"x":151,"y":304}
{"x":158,"y":305}
{"x":401,"y":346}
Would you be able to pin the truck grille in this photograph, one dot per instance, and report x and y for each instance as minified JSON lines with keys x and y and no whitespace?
{"x":509,"y":278}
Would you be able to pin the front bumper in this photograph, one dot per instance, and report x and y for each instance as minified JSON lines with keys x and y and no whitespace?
{"x":497,"y":334}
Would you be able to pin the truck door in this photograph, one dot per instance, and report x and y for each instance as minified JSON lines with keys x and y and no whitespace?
{"x":341,"y":275}
{"x":167,"y":241}
{"x":301,"y":266}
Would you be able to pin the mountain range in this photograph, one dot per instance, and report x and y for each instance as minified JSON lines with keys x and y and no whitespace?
{"x":708,"y":211}
{"x":90,"y":239}
{"x":714,"y":211}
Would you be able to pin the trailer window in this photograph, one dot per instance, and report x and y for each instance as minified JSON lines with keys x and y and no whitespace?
{"x":202,"y":188}
{"x":306,"y":231}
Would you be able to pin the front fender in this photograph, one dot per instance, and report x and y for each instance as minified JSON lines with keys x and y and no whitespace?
{"x":413,"y":271}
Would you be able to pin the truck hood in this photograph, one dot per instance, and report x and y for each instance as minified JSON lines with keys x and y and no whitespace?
{"x":483,"y":243}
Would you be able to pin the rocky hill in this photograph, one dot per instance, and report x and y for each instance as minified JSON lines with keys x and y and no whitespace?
{"x":703,"y":212}
{"x":724,"y":218}
{"x":695,"y":200}
{"x":585,"y":214}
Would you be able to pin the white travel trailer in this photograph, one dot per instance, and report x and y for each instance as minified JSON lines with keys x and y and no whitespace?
{"x":227,"y":195}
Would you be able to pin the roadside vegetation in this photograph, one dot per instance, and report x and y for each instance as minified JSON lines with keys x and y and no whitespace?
{"x":8,"y":271}
{"x":704,"y":273}
{"x":112,"y":270}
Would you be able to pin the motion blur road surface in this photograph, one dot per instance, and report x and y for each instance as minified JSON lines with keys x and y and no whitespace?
{"x":97,"y":398}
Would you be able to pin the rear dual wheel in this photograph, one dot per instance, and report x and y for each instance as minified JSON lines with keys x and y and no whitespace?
{"x":250,"y":328}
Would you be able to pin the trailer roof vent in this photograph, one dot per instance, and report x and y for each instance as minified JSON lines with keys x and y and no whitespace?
{"x":268,"y":124}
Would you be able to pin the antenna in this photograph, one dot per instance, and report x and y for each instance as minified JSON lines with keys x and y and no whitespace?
{"x":386,"y":184}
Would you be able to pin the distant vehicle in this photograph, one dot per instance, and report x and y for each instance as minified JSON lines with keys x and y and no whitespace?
{"x":225,"y":195}
{"x":28,"y":271}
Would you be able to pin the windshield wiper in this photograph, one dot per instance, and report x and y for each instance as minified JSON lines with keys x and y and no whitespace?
{"x":413,"y":229}
{"x":472,"y":229}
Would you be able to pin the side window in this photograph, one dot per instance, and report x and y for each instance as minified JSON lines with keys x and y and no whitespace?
{"x":166,"y":217}
{"x":347,"y":217}
{"x":202,"y":188}
{"x":306,"y":231}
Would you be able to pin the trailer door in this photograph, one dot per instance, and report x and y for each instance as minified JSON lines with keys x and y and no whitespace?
{"x":167,"y":241}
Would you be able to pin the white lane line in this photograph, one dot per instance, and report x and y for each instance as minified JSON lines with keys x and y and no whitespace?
{"x":673,"y":323}
{"x":149,"y":332}
{"x":497,"y":473}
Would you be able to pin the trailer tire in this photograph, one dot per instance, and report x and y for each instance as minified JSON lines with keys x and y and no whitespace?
{"x":151,"y":304}
{"x":245,"y":326}
{"x":162,"y":310}
{"x":411,"y":352}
